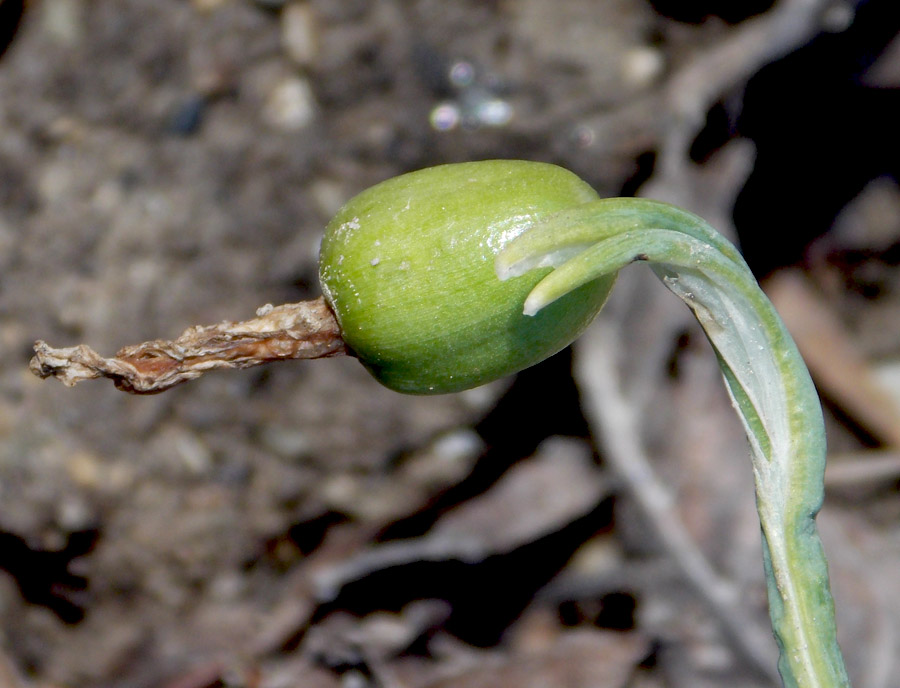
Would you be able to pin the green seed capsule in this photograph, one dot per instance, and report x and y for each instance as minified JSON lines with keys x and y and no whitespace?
{"x":408,"y":268}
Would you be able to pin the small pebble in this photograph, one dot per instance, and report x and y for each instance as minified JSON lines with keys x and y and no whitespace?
{"x":445,"y":117}
{"x":583,"y":136}
{"x":285,"y":441}
{"x":188,"y":116}
{"x":64,"y":21}
{"x":8,"y":241}
{"x":298,"y":33}
{"x":73,"y":514}
{"x":85,"y":469}
{"x":207,"y":5}
{"x":461,"y":74}
{"x":641,"y":66}
{"x":291,"y":105}
{"x":494,"y":112}
{"x":328,"y":196}
{"x":838,"y":16}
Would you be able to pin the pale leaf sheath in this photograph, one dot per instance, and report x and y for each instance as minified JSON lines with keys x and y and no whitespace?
{"x":765,"y":375}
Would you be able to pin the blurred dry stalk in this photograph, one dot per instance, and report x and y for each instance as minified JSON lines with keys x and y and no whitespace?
{"x":613,"y":416}
{"x":833,"y":357}
{"x":676,"y":112}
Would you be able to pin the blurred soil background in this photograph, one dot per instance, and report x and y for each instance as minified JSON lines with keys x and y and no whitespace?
{"x":169,"y":163}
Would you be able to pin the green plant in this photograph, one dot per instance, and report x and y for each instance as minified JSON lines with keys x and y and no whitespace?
{"x":410,"y":269}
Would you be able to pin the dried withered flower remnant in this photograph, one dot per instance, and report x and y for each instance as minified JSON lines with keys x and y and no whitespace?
{"x":292,"y":331}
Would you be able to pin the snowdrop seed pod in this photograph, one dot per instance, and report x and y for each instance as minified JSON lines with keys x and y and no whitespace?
{"x":431,"y":275}
{"x":408,"y":268}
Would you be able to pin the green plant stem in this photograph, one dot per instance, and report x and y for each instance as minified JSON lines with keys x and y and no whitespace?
{"x":769,"y":384}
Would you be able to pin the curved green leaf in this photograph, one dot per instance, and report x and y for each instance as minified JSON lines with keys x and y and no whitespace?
{"x":764,"y":373}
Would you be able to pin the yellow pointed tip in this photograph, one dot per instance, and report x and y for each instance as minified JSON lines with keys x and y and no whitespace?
{"x":533,"y":304}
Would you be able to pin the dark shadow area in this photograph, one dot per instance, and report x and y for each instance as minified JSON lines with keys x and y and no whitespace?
{"x":697,"y":11}
{"x":821,"y":135}
{"x":485,"y":597}
{"x":44,"y":577}
{"x":719,"y":129}
{"x":308,"y":535}
{"x":614,"y":610}
{"x":646,"y":164}
{"x":542,"y":402}
{"x":11,"y":12}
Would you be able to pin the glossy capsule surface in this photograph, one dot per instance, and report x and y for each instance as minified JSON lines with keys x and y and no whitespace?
{"x":407,"y":266}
